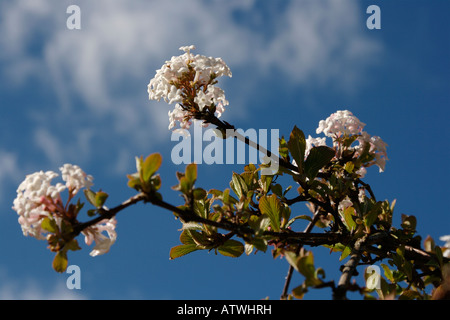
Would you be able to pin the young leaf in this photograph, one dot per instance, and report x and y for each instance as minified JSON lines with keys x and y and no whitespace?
{"x":199,"y":194}
{"x":271,"y":206}
{"x":181,"y":250}
{"x":297,"y":146}
{"x":348,"y":218}
{"x":90,"y":195}
{"x":72,"y":245}
{"x":191,"y":173}
{"x":259,"y":223}
{"x":134,"y":181}
{"x":60,"y":261}
{"x":231,"y":248}
{"x":150,"y":166}
{"x":238,"y":185}
{"x":100,"y":198}
{"x":347,"y":250}
{"x":49,"y":225}
{"x":409,"y":223}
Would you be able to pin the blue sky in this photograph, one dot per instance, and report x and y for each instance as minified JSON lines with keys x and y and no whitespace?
{"x":80,"y":96}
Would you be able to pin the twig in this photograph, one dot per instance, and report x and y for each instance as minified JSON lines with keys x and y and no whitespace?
{"x":308,"y":229}
{"x":224,"y":126}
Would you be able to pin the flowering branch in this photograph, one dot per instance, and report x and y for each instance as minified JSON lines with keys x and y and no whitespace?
{"x":255,"y":210}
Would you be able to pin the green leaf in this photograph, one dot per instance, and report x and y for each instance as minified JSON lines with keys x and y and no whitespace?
{"x":191,"y":173}
{"x":348,"y":218}
{"x":371,"y":217}
{"x":49,"y":225}
{"x":318,"y":158}
{"x":100,"y":198}
{"x":231,"y":248}
{"x":299,"y":292}
{"x":297,"y":146}
{"x":265,"y":182}
{"x":150,"y":166}
{"x":134,"y":181}
{"x":303,"y":216}
{"x":271,"y":206}
{"x":388,"y":272}
{"x":259,"y":223}
{"x":199,"y":194}
{"x":181,"y":250}
{"x":292,"y":259}
{"x":72,"y":245}
{"x":199,"y":238}
{"x":238,"y":185}
{"x":260,"y":244}
{"x":60,"y":261}
{"x":90,"y":196}
{"x":349,"y":166}
{"x":347,"y":250}
{"x":307,"y":269}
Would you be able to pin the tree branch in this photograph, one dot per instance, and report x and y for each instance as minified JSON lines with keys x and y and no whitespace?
{"x":349,"y":270}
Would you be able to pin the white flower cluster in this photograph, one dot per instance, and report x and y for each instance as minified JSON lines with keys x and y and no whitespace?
{"x":28,"y":203}
{"x":343,"y":124}
{"x":38,"y":199}
{"x":377,"y":148}
{"x":188,"y":81}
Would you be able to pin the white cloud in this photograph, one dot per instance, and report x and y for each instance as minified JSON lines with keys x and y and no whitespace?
{"x":9,"y":170}
{"x":32,"y":290}
{"x":108,"y":63}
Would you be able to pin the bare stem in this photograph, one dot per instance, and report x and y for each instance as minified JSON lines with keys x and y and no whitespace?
{"x":308,"y":229}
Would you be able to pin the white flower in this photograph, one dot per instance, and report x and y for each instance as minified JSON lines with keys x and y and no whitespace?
{"x":102,"y":242}
{"x":75,"y":178}
{"x":343,"y":122}
{"x":203,"y":100}
{"x":180,"y":115}
{"x":188,"y":81}
{"x":213,"y":95}
{"x":344,"y":204}
{"x":446,"y":239}
{"x":187,"y":48}
{"x":377,"y":148}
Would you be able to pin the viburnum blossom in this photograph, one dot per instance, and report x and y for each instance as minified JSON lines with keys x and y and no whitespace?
{"x":29,"y":203}
{"x":189,"y":82}
{"x":343,"y":125}
{"x":342,"y":122}
{"x":102,"y":242}
{"x":377,"y":148}
{"x":38,"y":199}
